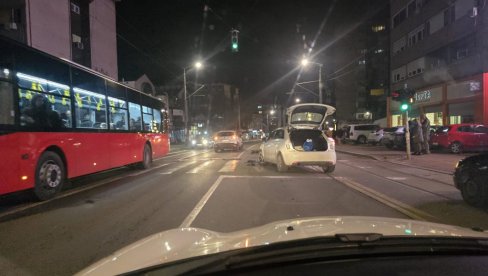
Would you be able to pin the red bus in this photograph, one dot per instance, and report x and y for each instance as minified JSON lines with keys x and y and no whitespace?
{"x":59,"y":120}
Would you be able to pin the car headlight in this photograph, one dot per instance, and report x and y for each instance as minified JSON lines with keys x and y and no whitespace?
{"x":204,"y":141}
{"x":193,"y":142}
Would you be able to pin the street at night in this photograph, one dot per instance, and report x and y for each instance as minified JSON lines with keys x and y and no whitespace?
{"x":251,"y":137}
{"x":223,"y":192}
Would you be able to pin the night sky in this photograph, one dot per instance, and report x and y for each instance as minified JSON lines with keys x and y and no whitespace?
{"x":159,"y":38}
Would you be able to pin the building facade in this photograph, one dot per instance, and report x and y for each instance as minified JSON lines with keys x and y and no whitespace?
{"x":357,"y":74}
{"x":82,"y":31}
{"x":439,"y":49}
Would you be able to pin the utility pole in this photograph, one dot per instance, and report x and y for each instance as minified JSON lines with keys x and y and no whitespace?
{"x":186,"y":105}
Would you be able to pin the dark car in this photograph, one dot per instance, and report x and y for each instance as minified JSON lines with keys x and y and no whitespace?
{"x":471,"y":178}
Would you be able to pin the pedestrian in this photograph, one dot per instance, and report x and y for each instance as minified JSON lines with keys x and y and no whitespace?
{"x":417,"y":136}
{"x":426,"y":133}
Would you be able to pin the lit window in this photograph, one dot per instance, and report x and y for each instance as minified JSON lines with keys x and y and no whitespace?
{"x":378,"y":28}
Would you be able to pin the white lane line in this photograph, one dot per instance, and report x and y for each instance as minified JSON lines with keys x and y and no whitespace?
{"x":149,"y":170}
{"x":401,"y":207}
{"x":172,"y":170}
{"x":198,"y":208}
{"x":396,"y":178}
{"x":201,"y":167}
{"x":230,"y":166}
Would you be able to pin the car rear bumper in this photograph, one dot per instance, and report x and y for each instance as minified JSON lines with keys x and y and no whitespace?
{"x":310,"y":158}
{"x":226,"y":146}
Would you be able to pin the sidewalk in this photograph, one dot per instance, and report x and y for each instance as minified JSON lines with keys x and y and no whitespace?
{"x":439,"y":162}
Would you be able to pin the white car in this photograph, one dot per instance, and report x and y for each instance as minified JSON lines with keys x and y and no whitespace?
{"x":301,"y":142}
{"x":227,"y":140}
{"x":375,"y":137}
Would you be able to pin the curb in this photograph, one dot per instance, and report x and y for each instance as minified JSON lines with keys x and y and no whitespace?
{"x":390,"y":161}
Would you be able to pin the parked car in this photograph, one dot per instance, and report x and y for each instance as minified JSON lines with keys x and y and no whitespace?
{"x":375,"y":136}
{"x":227,"y":140}
{"x":461,"y":137}
{"x":358,"y":133}
{"x":301,"y":142}
{"x":394,"y":137}
{"x":471,"y":178}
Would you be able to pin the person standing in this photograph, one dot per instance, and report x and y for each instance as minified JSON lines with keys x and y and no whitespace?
{"x":426,"y":133}
{"x":417,"y":136}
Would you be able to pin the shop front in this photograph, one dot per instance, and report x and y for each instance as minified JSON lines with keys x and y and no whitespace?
{"x":463,"y":101}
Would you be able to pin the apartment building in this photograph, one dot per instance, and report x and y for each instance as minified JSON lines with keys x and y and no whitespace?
{"x":439,"y":49}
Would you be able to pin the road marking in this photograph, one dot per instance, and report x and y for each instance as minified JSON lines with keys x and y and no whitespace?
{"x":239,"y":156}
{"x":365,"y":167}
{"x":172,"y":170}
{"x":149,"y":170}
{"x":201,"y":167}
{"x":229,"y":166}
{"x":198,"y":208}
{"x":401,"y":207}
{"x":396,"y":178}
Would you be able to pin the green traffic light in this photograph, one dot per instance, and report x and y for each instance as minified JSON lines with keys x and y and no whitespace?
{"x":404,"y":107}
{"x":234,"y":45}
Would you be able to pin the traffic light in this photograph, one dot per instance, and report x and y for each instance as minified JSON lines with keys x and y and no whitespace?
{"x":234,"y":40}
{"x":404,"y":106}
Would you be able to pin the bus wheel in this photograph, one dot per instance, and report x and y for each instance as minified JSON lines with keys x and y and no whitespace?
{"x":50,"y":176}
{"x":146,"y":158}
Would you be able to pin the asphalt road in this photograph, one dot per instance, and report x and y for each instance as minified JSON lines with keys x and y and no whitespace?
{"x":218,"y":191}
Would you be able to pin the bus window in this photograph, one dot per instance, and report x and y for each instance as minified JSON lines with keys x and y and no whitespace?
{"x":135,"y":117}
{"x":157,"y":120}
{"x":91,"y":109}
{"x":147,"y":118}
{"x":43,"y":103}
{"x":118,"y":114}
{"x":6,"y":104}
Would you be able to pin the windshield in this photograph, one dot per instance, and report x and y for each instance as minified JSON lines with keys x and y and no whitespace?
{"x":226,"y":133}
{"x":236,"y":123}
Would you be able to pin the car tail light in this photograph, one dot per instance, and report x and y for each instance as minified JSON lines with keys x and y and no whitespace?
{"x":331,"y":144}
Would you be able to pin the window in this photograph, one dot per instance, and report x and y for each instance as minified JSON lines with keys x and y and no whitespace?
{"x":135,"y":122}
{"x":481,"y":129}
{"x":118,"y":114}
{"x":378,"y":28}
{"x":465,"y":129}
{"x":147,"y":118}
{"x":43,"y":103}
{"x":399,"y":17}
{"x":90,"y":109}
{"x":280,"y":134}
{"x":399,"y":45}
{"x":7,"y":113}
{"x":416,"y":35}
{"x":158,"y":122}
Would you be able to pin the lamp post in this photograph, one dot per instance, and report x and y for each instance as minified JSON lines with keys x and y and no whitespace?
{"x":305,"y":62}
{"x":197,"y":65}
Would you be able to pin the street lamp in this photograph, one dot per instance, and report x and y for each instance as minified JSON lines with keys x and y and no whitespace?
{"x":197,"y":65}
{"x":297,"y":100}
{"x":305,"y":62}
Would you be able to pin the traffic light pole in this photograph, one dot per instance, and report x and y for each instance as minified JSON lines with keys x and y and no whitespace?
{"x":407,"y":136}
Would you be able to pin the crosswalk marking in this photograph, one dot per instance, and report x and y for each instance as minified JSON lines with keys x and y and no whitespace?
{"x":201,"y":167}
{"x":230,"y":166}
{"x":172,"y":170}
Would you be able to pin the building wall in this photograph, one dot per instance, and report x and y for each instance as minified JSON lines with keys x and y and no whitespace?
{"x":103,"y":37}
{"x":451,"y":60}
{"x":48,"y":26}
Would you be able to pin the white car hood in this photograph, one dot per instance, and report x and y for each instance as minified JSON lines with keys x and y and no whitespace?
{"x":184,"y":243}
